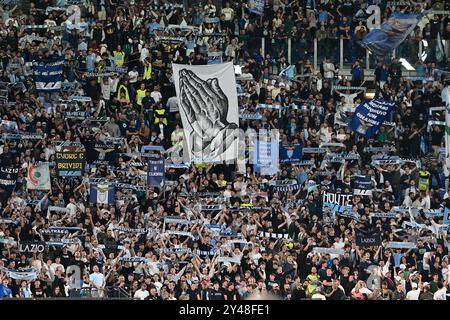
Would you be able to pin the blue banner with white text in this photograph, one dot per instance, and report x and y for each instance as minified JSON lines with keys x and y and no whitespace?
{"x":267,"y":156}
{"x":155,"y":172}
{"x":370,"y":115}
{"x":48,"y":74}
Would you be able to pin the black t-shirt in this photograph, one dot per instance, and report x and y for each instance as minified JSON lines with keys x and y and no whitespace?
{"x":298,"y":294}
{"x":347,"y":9}
{"x":216,"y":295}
{"x":65,"y":258}
{"x":364,"y":265}
{"x":193,"y":294}
{"x":37,"y":292}
{"x":337,"y":295}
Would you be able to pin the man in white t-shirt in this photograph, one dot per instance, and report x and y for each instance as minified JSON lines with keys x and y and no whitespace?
{"x":142,"y":292}
{"x":414,"y":293}
{"x":156,"y":94}
{"x":228,"y":12}
{"x":318,"y":295}
{"x":72,"y":206}
{"x":97,"y":280}
{"x":441,"y":293}
{"x":56,"y":264}
{"x":328,"y":69}
{"x":133,"y":74}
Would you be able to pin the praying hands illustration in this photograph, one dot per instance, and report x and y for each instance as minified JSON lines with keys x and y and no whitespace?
{"x":206,"y":108}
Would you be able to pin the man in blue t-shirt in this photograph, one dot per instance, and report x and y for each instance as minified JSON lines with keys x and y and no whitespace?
{"x":5,"y":292}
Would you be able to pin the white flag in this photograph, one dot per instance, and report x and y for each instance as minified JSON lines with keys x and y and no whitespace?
{"x":209,"y":111}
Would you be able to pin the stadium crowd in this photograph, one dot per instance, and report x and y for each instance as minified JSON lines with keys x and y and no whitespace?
{"x":229,"y":257}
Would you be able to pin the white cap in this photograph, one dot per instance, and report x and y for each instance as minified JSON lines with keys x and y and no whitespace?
{"x":414,"y":285}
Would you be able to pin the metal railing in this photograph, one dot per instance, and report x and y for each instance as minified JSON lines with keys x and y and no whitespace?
{"x":343,"y":51}
{"x":109,"y":292}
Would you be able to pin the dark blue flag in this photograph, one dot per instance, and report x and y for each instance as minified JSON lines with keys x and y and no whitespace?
{"x":102,"y":193}
{"x":391,"y":33}
{"x":155,"y":172}
{"x":369,"y":116}
{"x":363,"y":186}
{"x":291,"y":154}
{"x":48,"y":74}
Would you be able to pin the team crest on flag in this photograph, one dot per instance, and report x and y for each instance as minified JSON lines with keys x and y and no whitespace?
{"x":102,"y":193}
{"x":291,"y":153}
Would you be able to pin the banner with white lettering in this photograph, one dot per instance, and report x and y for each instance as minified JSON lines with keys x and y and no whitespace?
{"x":101,"y":153}
{"x":284,"y":185}
{"x":333,"y":202}
{"x":48,"y":74}
{"x":369,"y":116}
{"x":30,"y":247}
{"x":362,"y":186}
{"x":266,"y":152}
{"x":155,"y":172}
{"x":367,"y":239}
{"x":8,"y":177}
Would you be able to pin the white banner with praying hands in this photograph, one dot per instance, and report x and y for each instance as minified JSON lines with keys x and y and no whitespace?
{"x":209,"y":111}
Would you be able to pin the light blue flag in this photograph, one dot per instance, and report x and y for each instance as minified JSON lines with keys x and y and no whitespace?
{"x":446,"y":216}
{"x":391,"y":33}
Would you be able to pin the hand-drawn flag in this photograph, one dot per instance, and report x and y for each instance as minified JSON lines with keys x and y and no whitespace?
{"x":38,"y":177}
{"x":209,"y":110}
